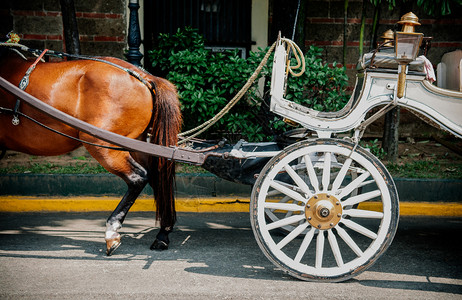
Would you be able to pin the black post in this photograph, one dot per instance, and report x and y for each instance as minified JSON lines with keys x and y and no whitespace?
{"x":391,"y":134}
{"x":134,"y":55}
{"x":71,"y":32}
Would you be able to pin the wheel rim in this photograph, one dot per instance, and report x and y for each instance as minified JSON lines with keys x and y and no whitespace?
{"x":326,"y":237}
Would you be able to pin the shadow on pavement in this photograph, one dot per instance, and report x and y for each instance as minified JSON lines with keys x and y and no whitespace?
{"x":222,"y":244}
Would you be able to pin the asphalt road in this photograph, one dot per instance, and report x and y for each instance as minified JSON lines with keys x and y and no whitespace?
{"x":212,"y":256}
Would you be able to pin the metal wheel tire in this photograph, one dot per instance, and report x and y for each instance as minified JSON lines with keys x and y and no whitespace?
{"x":337,"y":208}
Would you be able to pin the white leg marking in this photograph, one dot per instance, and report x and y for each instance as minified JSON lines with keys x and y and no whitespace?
{"x":111,"y":229}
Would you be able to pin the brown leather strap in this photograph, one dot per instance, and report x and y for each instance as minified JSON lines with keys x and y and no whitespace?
{"x":23,"y":85}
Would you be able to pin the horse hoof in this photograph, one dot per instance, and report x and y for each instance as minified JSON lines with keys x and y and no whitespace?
{"x":112,"y":244}
{"x":159,"y":245}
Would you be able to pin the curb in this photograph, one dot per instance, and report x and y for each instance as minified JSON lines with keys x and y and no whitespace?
{"x":228,"y":204}
{"x":196,"y":185}
{"x":194,"y":193}
{"x":187,"y":185}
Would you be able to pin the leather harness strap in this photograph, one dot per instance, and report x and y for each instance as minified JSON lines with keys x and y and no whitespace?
{"x":25,"y":81}
{"x":23,"y":85}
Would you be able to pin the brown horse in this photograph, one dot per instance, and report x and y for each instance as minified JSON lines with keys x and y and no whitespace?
{"x":109,"y":98}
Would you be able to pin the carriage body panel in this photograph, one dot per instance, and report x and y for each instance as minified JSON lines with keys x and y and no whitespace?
{"x":374,"y":87}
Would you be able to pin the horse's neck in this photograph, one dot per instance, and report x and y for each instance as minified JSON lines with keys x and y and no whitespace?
{"x":8,"y":53}
{"x":3,"y":51}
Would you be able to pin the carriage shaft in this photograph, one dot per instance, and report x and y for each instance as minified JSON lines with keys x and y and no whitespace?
{"x":173,"y":153}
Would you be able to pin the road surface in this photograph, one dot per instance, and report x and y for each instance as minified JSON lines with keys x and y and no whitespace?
{"x":211,"y":256}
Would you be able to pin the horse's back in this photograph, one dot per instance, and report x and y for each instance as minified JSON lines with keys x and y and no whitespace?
{"x":91,"y":91}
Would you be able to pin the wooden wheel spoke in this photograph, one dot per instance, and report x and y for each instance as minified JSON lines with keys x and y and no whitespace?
{"x":311,"y":173}
{"x":360,"y":198}
{"x":292,"y":235}
{"x":341,"y":174}
{"x":349,"y":241}
{"x":304,"y":246}
{"x":326,"y":171}
{"x":298,"y":180}
{"x":319,"y":249}
{"x":366,"y":183}
{"x":288,"y":192}
{"x":284,"y":206}
{"x":360,"y":213}
{"x":354,"y":184}
{"x":359,"y":228}
{"x":335,"y":248}
{"x":283,"y":222}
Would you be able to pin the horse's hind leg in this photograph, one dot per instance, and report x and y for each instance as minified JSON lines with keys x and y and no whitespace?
{"x":123,"y":165}
{"x":136,"y":181}
{"x":115,"y":220}
{"x":162,"y":178}
{"x":162,"y":241}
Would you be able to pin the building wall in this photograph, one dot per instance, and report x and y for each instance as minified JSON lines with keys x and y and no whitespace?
{"x":103,"y":26}
{"x":101,"y":23}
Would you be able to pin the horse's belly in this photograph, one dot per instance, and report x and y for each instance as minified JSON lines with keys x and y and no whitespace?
{"x":30,"y":138}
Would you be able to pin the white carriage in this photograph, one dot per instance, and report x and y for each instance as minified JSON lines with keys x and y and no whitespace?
{"x":322,"y":209}
{"x":325,"y":209}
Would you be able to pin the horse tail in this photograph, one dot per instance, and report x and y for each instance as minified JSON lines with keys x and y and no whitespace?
{"x":166,"y":126}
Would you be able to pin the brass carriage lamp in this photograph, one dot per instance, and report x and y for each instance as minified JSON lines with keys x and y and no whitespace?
{"x":388,"y":38}
{"x":407,"y":44}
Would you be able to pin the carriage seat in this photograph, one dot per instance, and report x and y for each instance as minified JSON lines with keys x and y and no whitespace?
{"x":385,"y":59}
{"x":449,"y":71}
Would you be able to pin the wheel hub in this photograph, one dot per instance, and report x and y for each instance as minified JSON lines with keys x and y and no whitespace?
{"x":323,"y":211}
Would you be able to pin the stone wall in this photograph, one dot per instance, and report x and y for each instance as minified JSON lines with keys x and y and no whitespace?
{"x":324,"y":28}
{"x":102,"y":26}
{"x":101,"y":23}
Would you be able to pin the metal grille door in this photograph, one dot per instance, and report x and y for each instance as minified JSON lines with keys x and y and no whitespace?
{"x":224,"y":23}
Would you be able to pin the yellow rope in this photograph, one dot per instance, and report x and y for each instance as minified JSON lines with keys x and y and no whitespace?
{"x":206,"y":125}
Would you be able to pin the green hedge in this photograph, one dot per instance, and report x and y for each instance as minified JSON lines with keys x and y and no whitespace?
{"x":206,"y":81}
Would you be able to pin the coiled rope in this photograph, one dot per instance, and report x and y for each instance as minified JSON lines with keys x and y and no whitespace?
{"x":299,"y":57}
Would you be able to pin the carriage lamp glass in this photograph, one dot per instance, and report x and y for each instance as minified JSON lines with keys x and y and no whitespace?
{"x":407,"y":46}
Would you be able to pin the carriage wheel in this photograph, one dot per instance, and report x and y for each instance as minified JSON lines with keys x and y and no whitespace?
{"x":322,"y":212}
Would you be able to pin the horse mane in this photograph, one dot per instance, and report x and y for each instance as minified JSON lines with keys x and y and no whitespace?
{"x":7,"y":50}
{"x":3,"y":52}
